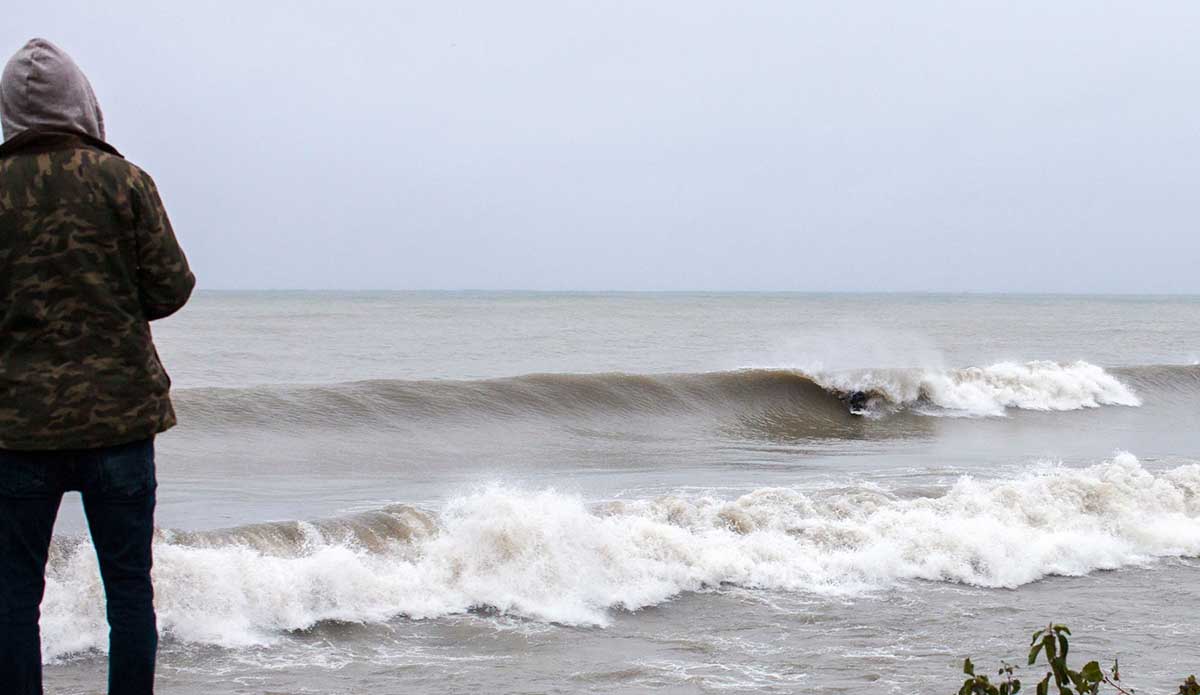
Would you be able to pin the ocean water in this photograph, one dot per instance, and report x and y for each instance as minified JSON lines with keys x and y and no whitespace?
{"x":629,"y":493}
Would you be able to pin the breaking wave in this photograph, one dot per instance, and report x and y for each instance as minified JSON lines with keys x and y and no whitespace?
{"x":974,"y":391}
{"x":988,"y":391}
{"x":547,"y":556}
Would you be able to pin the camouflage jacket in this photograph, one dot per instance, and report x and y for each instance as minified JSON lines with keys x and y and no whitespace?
{"x":87,"y":260}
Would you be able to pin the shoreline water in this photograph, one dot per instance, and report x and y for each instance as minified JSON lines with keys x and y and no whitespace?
{"x":398,"y":494}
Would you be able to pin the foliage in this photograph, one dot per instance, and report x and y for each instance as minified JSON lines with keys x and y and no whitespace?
{"x":1052,"y":645}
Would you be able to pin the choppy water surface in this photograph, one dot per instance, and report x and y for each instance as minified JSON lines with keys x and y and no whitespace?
{"x":420,"y":492}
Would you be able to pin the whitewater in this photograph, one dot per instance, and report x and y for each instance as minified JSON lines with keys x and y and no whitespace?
{"x":552,"y":557}
{"x":991,"y":390}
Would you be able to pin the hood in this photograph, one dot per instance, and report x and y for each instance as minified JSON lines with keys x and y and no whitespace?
{"x":43,"y":88}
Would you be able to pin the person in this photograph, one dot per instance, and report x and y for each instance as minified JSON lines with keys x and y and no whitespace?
{"x":87,"y":260}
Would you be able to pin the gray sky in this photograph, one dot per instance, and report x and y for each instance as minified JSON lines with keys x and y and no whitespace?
{"x":943,"y":146}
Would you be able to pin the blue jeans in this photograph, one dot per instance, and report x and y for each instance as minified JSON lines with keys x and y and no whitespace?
{"x":118,"y":487}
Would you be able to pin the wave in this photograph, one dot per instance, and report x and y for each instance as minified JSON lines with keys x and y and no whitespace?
{"x":1162,"y":379}
{"x":823,"y":397}
{"x":548,"y":556}
{"x":986,"y":391}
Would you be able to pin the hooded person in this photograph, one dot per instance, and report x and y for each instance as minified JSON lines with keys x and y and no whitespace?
{"x":43,"y":89}
{"x":87,"y":259}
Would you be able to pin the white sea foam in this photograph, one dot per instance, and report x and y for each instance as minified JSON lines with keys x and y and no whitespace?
{"x":989,"y":391}
{"x":553,"y":557}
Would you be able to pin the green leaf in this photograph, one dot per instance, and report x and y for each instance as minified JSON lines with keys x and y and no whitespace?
{"x":1043,"y":688}
{"x":1036,"y":635}
{"x":1033,"y":653}
{"x":1091,"y":672}
{"x":1190,"y":687}
{"x":1063,"y":646}
{"x":968,"y":667}
{"x":1060,"y":672}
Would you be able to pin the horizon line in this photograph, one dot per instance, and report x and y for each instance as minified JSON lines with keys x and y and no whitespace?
{"x":472,"y":290}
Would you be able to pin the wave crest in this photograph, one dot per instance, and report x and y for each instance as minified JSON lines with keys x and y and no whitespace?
{"x":988,"y":391}
{"x":823,"y":398}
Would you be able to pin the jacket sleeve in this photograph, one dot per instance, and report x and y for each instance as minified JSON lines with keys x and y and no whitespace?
{"x":164,"y":279}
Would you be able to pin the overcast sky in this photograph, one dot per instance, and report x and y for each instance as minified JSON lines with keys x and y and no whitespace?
{"x":938,"y":146}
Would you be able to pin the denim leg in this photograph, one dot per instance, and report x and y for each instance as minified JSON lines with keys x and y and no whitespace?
{"x":118,"y":500}
{"x":29,"y":503}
